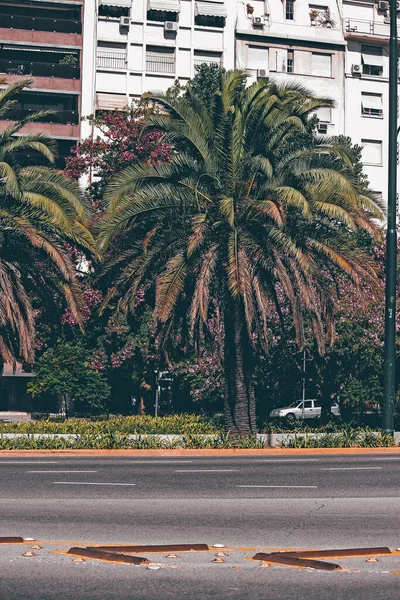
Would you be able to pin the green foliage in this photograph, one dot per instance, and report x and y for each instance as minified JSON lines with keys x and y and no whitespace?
{"x":206,"y":82}
{"x":63,"y":371}
{"x":347,"y":439}
{"x":69,"y":60}
{"x":42,"y":217}
{"x":361,"y":394}
{"x":142,"y":424}
{"x":185,"y":431}
{"x":243,"y":226}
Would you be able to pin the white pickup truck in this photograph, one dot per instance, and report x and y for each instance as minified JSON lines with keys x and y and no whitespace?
{"x":311,"y":410}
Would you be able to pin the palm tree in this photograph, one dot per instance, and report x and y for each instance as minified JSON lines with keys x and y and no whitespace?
{"x":241,"y":217}
{"x":41,"y":211}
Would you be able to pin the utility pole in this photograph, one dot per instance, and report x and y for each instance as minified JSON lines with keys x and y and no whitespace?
{"x":158,"y":392}
{"x":304,"y":382}
{"x":389,"y":373}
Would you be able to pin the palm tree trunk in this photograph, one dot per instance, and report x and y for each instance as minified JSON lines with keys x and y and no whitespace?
{"x":239,"y":401}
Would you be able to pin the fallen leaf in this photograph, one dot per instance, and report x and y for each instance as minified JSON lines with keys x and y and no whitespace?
{"x":218,"y":560}
{"x":36,"y":547}
{"x":172,"y":556}
{"x":79,"y":560}
{"x":220,"y":554}
{"x":372,"y":560}
{"x":28,"y":554}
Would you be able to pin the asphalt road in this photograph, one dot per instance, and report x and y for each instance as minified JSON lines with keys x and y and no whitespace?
{"x":294,"y":502}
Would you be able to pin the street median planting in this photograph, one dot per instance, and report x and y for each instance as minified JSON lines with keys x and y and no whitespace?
{"x":179,"y":432}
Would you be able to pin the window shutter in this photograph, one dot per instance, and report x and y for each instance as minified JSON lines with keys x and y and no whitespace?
{"x":111,"y":101}
{"x":371,"y":101}
{"x":372,"y":55}
{"x":321,"y":65}
{"x":324,"y":114}
{"x":257,"y":57}
{"x":371,"y":152}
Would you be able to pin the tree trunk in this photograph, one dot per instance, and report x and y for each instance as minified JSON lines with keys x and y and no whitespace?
{"x":239,"y":401}
{"x":326,"y":403}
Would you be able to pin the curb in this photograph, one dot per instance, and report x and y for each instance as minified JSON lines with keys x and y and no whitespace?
{"x":200,"y":452}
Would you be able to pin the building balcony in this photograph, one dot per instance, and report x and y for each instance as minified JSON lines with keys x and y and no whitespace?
{"x":56,"y":131}
{"x":40,"y":24}
{"x":160,"y":64}
{"x":111,"y":60}
{"x":39,"y":69}
{"x":61,"y":117}
{"x":207,"y":61}
{"x":358,"y":28}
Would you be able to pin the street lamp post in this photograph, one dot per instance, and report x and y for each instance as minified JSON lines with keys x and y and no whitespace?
{"x":391,"y":236}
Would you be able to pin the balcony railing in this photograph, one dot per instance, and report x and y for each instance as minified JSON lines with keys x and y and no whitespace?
{"x":367,"y":27}
{"x":111,"y":60}
{"x":39,"y":69}
{"x":206,"y":60}
{"x":63,"y":117}
{"x":40,"y":24}
{"x":160,"y":64}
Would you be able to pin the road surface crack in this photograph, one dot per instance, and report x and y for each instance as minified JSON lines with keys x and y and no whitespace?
{"x":308,"y":514}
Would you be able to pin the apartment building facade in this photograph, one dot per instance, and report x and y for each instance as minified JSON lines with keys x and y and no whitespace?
{"x":146,"y":45}
{"x":296,"y":41}
{"x":120,"y":49}
{"x":366,"y":30}
{"x":42,"y":41}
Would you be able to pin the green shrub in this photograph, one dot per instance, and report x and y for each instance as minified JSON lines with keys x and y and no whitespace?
{"x":180,"y":424}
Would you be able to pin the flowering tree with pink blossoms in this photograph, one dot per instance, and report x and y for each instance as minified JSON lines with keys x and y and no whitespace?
{"x":117,"y":142}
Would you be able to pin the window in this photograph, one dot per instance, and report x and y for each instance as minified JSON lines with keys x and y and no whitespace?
{"x":371,"y":105}
{"x":324,"y":114}
{"x":160,"y":59}
{"x":202,"y":57}
{"x":111,"y":55}
{"x":371,"y":152}
{"x":317,"y":403}
{"x":113,"y":11}
{"x":321,"y":65}
{"x":289,"y":10}
{"x":372,"y":60}
{"x":308,"y":404}
{"x":210,"y":14}
{"x":257,"y":57}
{"x":111,"y":101}
{"x":318,"y":14}
{"x":163,"y":10}
{"x":290,"y":61}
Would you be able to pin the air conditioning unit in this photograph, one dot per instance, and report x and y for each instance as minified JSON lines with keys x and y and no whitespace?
{"x":383,"y":5}
{"x":356,"y":69}
{"x":258,"y":21}
{"x":124,"y":21}
{"x":170,"y":26}
{"x":322,"y":128}
{"x":262,"y":73}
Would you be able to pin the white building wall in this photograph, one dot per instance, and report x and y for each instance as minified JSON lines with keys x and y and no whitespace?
{"x":125,"y":80}
{"x":88,"y":96}
{"x":365,"y":25}
{"x":266,"y":49}
{"x":298,"y":40}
